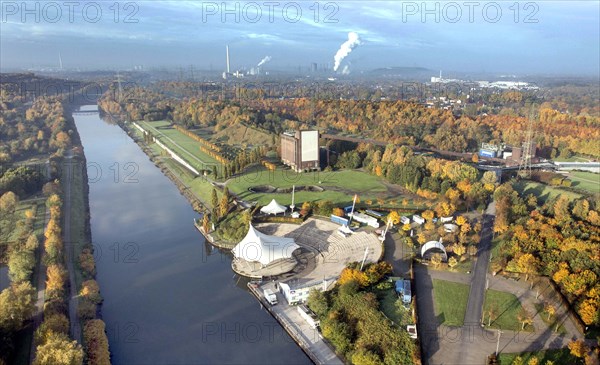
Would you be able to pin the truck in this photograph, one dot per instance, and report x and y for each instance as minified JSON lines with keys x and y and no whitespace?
{"x":270,"y":296}
{"x":308,"y":315}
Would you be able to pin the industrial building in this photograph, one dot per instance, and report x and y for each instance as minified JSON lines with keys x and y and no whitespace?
{"x":300,"y":150}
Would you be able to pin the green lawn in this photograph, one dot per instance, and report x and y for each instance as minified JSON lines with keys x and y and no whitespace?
{"x":542,"y":191}
{"x":450,"y":302}
{"x":391,"y":306}
{"x":559,"y":356}
{"x":551,"y":322}
{"x":507,"y":308}
{"x":588,"y":181}
{"x":340,"y":186}
{"x":184,"y":146}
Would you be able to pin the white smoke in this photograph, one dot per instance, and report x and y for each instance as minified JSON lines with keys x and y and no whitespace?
{"x":346,"y":70}
{"x":345,"y":49}
{"x":263,"y":61}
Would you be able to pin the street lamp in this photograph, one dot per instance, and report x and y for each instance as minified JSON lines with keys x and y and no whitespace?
{"x":498,"y":342}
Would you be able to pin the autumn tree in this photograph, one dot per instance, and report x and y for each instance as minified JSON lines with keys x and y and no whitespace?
{"x":525,"y":318}
{"x":59,"y":350}
{"x":578,"y":348}
{"x":338,"y":212}
{"x":214,"y":199}
{"x":452,"y":262}
{"x":393,"y":217}
{"x":96,"y":343}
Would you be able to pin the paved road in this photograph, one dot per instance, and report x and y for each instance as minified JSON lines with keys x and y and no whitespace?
{"x":73,"y":295}
{"x":479,"y":277}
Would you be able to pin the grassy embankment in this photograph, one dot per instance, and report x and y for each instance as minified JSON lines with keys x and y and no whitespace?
{"x":542,"y":191}
{"x":587,"y":181}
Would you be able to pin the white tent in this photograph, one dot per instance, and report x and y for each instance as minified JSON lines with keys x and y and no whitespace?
{"x":259,"y":247}
{"x":434,"y":244}
{"x":273,"y":208}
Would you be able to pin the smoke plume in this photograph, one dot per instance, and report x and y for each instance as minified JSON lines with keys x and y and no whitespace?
{"x":263,"y":61}
{"x":345,"y":49}
{"x":346,"y":70}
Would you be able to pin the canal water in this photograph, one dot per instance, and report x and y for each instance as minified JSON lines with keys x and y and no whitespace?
{"x":169,"y":298}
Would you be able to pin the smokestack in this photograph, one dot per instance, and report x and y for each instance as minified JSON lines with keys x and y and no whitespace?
{"x":227,"y":49}
{"x":345,"y":49}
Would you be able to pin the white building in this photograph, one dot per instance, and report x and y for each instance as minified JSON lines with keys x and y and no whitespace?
{"x":366,"y":219}
{"x":418,"y":219}
{"x":296,"y":291}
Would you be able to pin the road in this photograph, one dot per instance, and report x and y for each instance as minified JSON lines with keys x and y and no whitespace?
{"x":73,"y":295}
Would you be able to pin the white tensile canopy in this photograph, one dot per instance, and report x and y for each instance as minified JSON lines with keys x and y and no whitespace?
{"x":259,"y":247}
{"x":434,"y":244}
{"x":273,"y":208}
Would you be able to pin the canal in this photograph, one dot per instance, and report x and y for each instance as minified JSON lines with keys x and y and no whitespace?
{"x":169,"y":298}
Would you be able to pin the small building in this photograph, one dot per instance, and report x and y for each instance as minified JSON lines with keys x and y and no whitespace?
{"x":366,"y":219}
{"x":418,"y":219}
{"x":446,"y":219}
{"x":296,"y":291}
{"x":403,"y":289}
{"x":404,"y":220}
{"x":450,"y":227}
{"x":300,"y":150}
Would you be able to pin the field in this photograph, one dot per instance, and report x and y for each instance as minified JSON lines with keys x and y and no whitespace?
{"x":542,"y":191}
{"x":199,"y":186}
{"x":559,"y":356}
{"x":507,"y":308}
{"x":184,"y":146}
{"x":450,"y":302}
{"x":339,"y":186}
{"x":588,"y":181}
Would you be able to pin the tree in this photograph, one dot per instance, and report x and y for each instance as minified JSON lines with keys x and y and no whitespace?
{"x":317,"y":302}
{"x":393,"y":217}
{"x":524,"y":317}
{"x":223,"y":206}
{"x":460,"y":220}
{"x":459,"y":249}
{"x":492,"y":312}
{"x":90,"y":290}
{"x":452,"y":262}
{"x":205,"y":223}
{"x":8,"y":202}
{"x":20,"y":265}
{"x":338,"y":212}
{"x":56,"y":278}
{"x":578,"y":348}
{"x":59,"y":350}
{"x":549,"y":308}
{"x":428,"y":215}
{"x":32,"y":242}
{"x":54,"y":323}
{"x":214,"y":199}
{"x":17,"y":304}
{"x":96,"y":343}
{"x":527,"y":264}
{"x":436,"y":259}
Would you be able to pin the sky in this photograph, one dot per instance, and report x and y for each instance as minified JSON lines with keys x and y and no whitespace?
{"x":512,"y":37}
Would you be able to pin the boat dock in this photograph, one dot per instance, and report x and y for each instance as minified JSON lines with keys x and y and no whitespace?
{"x":309,"y":339}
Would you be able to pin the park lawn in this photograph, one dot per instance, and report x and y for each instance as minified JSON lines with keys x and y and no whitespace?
{"x":508,"y":308}
{"x":340,"y":186}
{"x":557,"y":356}
{"x":552,"y":322}
{"x":184,"y":146}
{"x":587,"y":181}
{"x":542,"y":191}
{"x":450,"y":301}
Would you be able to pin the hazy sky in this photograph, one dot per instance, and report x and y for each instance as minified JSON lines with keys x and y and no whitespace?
{"x":541,"y":37}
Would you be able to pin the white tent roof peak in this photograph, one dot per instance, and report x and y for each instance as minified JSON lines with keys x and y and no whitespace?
{"x":260,"y":247}
{"x":273,"y":208}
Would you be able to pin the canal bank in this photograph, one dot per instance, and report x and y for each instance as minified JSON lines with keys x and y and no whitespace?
{"x":168,"y":296}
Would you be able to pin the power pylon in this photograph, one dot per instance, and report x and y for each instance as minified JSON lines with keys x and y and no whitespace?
{"x":525,"y":165}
